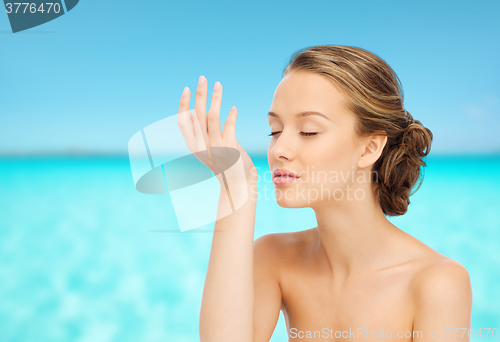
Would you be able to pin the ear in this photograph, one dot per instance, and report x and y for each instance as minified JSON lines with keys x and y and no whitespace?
{"x":372,"y":148}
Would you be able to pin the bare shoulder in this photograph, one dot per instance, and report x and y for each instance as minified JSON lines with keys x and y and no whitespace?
{"x":283,"y":246}
{"x":442,"y":295}
{"x":430,"y":267}
{"x":440,"y":279}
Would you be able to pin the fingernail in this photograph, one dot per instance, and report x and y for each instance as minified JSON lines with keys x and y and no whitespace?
{"x":185,"y":92}
{"x":217,"y":86}
{"x":201,"y":81}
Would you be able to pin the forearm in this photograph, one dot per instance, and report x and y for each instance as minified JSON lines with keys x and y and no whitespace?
{"x":228,"y":295}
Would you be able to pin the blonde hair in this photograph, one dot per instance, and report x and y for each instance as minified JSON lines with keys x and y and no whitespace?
{"x":373,"y":92}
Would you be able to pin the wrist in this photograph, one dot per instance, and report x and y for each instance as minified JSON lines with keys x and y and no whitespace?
{"x":249,"y":186}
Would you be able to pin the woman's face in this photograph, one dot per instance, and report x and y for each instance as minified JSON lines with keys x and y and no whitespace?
{"x":326,"y":161}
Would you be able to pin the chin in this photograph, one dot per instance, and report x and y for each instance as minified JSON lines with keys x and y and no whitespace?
{"x":291,"y":203}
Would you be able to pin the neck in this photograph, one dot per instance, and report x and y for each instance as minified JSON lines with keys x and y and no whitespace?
{"x":354,"y":237}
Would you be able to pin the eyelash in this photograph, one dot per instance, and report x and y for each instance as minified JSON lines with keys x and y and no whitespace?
{"x":303,"y":133}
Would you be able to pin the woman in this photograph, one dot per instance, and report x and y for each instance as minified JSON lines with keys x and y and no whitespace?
{"x":339,"y":128}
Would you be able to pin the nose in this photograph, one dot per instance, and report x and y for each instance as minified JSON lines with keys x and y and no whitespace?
{"x":282,"y":148}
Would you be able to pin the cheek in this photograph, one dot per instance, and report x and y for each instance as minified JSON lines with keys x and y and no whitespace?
{"x":329,"y":149}
{"x":332,"y":155}
{"x":269,"y":155}
{"x":270,"y":162}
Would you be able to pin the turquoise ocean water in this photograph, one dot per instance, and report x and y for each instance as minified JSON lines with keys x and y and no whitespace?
{"x":83,"y":257}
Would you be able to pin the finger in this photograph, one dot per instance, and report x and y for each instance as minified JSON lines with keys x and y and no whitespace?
{"x":183,"y":114}
{"x":230,"y":125}
{"x":185,"y":99}
{"x":200,"y":105}
{"x":185,"y":121}
{"x":214,"y":130}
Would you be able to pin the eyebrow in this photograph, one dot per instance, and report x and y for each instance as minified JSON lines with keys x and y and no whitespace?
{"x":302,"y":114}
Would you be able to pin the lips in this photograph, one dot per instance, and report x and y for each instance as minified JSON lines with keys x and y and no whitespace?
{"x":282,"y":177}
{"x":284,"y":173}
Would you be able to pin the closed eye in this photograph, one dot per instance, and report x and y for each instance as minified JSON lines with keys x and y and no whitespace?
{"x":303,"y":133}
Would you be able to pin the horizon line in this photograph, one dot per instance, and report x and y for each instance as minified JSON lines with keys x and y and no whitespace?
{"x":4,"y":154}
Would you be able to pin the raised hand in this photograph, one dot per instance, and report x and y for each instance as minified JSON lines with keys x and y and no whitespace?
{"x":202,"y":132}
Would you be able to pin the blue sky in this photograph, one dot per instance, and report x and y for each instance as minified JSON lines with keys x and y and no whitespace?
{"x":87,"y":81}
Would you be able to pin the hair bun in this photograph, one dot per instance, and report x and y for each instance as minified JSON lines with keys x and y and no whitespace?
{"x":417,"y":139}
